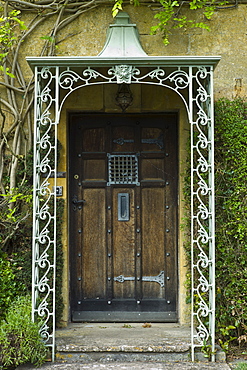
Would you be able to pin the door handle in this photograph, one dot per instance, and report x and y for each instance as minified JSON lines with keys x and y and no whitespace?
{"x":76,"y":201}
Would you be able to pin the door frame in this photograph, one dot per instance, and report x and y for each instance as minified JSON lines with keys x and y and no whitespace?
{"x":126,"y":315}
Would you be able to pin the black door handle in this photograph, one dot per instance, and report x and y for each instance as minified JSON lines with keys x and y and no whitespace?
{"x":76,"y":201}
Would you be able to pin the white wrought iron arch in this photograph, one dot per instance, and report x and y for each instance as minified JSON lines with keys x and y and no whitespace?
{"x":113,"y":80}
{"x":198,"y":99}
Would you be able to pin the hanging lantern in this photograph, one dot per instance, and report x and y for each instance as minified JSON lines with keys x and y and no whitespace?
{"x":124,"y":97}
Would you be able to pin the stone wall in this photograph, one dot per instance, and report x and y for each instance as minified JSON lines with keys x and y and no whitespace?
{"x":227,"y":38}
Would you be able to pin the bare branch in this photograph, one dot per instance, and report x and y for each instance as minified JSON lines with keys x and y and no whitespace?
{"x":12,"y":87}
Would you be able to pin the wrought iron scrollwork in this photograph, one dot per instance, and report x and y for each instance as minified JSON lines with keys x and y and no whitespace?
{"x":192,"y":84}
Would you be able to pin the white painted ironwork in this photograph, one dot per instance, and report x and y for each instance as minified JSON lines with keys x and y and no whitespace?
{"x":44,"y":205}
{"x":194,"y":85}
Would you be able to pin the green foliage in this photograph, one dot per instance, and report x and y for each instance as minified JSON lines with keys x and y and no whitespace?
{"x":231,"y":217}
{"x":20,"y":341}
{"x":12,"y":200}
{"x":241,"y":366}
{"x":16,"y":241}
{"x":226,"y":337}
{"x":15,"y":209}
{"x":171,"y":17}
{"x":8,"y":35}
{"x":6,"y":284}
{"x":117,"y":7}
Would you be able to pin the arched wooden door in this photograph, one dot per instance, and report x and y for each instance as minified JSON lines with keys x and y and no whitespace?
{"x":123,"y":175}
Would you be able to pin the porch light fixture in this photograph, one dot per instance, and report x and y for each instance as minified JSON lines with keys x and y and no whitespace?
{"x":124,"y":97}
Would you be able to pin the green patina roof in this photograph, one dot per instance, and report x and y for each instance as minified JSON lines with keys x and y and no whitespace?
{"x":122,"y":39}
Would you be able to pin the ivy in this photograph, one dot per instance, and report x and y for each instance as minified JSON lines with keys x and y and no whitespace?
{"x":170,"y":16}
{"x":8,"y":36}
{"x":231,"y":215}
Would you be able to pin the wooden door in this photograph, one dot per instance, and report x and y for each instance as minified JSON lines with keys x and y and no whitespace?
{"x":123,"y":217}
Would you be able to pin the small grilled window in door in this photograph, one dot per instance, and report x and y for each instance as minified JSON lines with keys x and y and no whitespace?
{"x":122,"y":169}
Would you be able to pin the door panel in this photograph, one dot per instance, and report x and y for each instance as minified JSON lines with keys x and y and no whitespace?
{"x":94,"y":244}
{"x":123,"y":217}
{"x":123,"y":246}
{"x":153,"y":239}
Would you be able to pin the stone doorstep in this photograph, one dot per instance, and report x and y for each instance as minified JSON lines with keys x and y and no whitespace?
{"x":111,"y":342}
{"x":125,"y":353}
{"x":121,"y":357}
{"x":177,"y":348}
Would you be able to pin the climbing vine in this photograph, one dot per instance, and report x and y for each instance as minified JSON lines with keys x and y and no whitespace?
{"x":231,"y":219}
{"x":171,"y":15}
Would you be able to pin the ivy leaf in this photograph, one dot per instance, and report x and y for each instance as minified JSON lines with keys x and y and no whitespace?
{"x":116,"y":7}
{"x":48,"y":38}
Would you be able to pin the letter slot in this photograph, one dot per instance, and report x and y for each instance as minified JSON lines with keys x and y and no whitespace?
{"x":123,"y":207}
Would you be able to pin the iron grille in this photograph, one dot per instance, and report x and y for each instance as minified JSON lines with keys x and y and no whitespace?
{"x":122,"y":169}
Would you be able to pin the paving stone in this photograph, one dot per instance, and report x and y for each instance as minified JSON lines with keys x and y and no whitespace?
{"x":133,"y":366}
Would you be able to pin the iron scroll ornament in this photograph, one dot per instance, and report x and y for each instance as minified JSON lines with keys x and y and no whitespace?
{"x":193,"y":84}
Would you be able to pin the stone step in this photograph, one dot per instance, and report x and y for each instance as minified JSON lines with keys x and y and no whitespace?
{"x":124,"y":343}
{"x":126,"y":353}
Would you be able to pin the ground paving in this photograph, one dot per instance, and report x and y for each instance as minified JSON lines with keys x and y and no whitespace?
{"x":132,"y":366}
